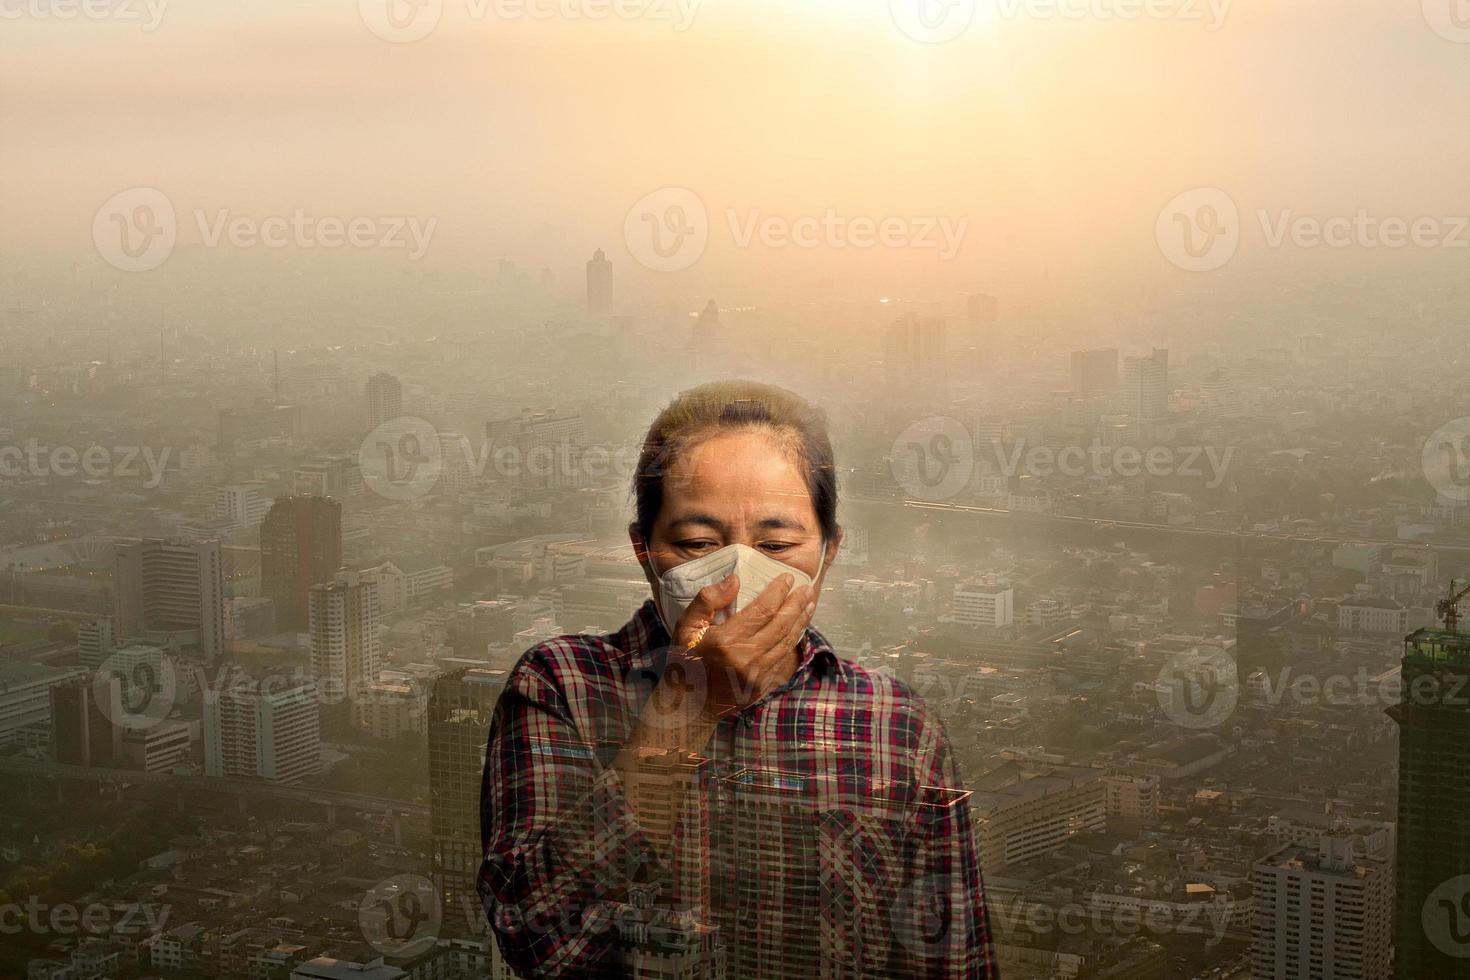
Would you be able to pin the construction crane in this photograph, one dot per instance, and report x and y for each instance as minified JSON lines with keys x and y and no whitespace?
{"x":1448,"y":609}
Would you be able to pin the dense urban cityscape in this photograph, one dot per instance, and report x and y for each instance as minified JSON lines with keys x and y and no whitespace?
{"x":1175,"y":541}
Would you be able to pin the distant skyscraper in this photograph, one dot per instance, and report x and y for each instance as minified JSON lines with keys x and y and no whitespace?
{"x":384,"y":398}
{"x":460,"y":708}
{"x":171,"y":587}
{"x":95,"y":642}
{"x":1432,"y":918}
{"x":343,"y":624}
{"x":916,"y":350}
{"x":1094,"y":372}
{"x":255,"y":731}
{"x":599,"y":284}
{"x":83,"y":710}
{"x":300,"y":546}
{"x":544,"y":449}
{"x":1322,"y":910}
{"x":1146,"y":385}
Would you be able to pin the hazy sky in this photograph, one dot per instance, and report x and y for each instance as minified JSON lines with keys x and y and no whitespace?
{"x":1055,"y":140}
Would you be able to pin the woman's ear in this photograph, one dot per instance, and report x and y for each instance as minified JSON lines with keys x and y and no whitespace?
{"x":640,"y":551}
{"x":830,"y":554}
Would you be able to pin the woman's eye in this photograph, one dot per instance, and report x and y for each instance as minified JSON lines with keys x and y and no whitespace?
{"x":695,"y":545}
{"x":776,"y":547}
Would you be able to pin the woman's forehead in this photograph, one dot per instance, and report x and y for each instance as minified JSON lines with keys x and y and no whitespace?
{"x":739,"y":466}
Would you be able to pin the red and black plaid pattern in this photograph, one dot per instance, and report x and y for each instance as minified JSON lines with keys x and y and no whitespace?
{"x":825,"y":834}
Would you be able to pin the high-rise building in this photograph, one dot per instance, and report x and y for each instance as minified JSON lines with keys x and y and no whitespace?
{"x":300,"y":546}
{"x":1145,"y":388}
{"x":599,"y":284}
{"x":96,"y":640}
{"x":1431,"y":937}
{"x":460,"y":708}
{"x":916,"y":350}
{"x":171,"y":587}
{"x":268,"y":732}
{"x":83,"y":711}
{"x":384,"y":398}
{"x":1322,"y":909}
{"x":1094,"y":372}
{"x":244,"y":505}
{"x":343,"y":625}
{"x":539,"y":449}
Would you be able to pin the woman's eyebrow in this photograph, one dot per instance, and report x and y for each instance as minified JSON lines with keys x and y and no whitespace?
{"x":780,"y":523}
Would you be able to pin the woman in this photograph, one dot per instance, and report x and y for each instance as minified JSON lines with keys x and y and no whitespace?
{"x":712,"y":791}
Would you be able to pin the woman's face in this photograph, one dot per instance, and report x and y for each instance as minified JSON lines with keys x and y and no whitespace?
{"x":739,"y":487}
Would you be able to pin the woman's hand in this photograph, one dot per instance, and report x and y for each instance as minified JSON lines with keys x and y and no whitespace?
{"x":750,"y":654}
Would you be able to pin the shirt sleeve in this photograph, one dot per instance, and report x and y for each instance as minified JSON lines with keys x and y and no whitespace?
{"x":561,"y":843}
{"x":941,"y":925}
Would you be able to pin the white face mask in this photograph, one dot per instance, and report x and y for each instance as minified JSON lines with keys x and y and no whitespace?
{"x":679,"y":585}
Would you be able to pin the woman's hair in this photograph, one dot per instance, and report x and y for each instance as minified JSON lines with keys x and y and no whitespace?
{"x":723,"y":406}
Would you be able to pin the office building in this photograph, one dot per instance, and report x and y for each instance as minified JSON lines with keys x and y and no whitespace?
{"x":384,"y":399}
{"x":171,"y":590}
{"x":96,"y":640}
{"x":916,"y":350}
{"x":1433,"y":845}
{"x":83,"y":713}
{"x":978,"y":605}
{"x":1145,"y":388}
{"x":599,"y":284}
{"x":1322,"y":910}
{"x":242,"y":506}
{"x":461,"y":705}
{"x":262,"y":424}
{"x":300,"y":547}
{"x":1024,"y":812}
{"x":343,"y":627}
{"x":269,"y":732}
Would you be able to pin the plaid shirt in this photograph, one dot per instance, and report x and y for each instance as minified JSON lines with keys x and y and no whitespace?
{"x":824,"y":834}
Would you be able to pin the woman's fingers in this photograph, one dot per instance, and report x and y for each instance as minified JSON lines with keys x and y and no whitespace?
{"x":710,"y":600}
